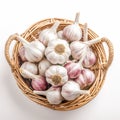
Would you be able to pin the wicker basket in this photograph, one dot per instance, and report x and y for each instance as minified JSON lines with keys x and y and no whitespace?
{"x":100,"y":68}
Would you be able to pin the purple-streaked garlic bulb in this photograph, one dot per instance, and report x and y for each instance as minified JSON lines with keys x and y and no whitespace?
{"x":73,"y":69}
{"x":38,"y":82}
{"x":31,"y":67}
{"x":78,"y":48}
{"x":71,"y":90}
{"x":56,"y":75}
{"x":90,"y":58}
{"x":21,"y":52}
{"x":43,"y":66}
{"x":73,"y":32}
{"x":49,"y":34}
{"x":86,"y":78}
{"x":53,"y":95}
{"x":34,"y":50}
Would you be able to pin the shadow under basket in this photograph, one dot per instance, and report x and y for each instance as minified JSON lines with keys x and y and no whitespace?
{"x":104,"y":60}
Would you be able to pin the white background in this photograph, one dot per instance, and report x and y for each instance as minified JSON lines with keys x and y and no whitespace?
{"x":102,"y":16}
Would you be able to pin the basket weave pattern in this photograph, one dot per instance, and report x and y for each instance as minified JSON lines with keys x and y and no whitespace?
{"x":100,"y":68}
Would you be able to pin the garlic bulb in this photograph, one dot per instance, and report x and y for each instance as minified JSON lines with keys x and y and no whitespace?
{"x":79,"y":48}
{"x":49,"y":34}
{"x":38,"y":82}
{"x":56,"y":75}
{"x":53,"y":95}
{"x":21,"y":52}
{"x":31,"y":67}
{"x":60,"y":34}
{"x":73,"y":69}
{"x":58,"y":51}
{"x":71,"y":90}
{"x":73,"y":32}
{"x":90,"y":58}
{"x":86,"y":78}
{"x":43,"y":66}
{"x":33,"y":50}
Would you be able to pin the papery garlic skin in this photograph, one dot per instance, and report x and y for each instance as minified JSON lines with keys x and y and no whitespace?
{"x":49,"y":34}
{"x":89,"y":60}
{"x":53,"y":95}
{"x":71,"y":90}
{"x":56,"y":75}
{"x":78,"y":49}
{"x":39,"y":83}
{"x":73,"y":32}
{"x":73,"y":69}
{"x":43,"y":66}
{"x":37,"y":54}
{"x":86,"y":78}
{"x":21,"y":52}
{"x":31,"y":67}
{"x":58,"y":51}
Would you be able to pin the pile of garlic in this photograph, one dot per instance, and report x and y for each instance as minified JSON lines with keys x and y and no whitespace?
{"x":57,"y":62}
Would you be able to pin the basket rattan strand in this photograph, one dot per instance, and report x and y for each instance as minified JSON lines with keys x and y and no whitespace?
{"x":100,"y":68}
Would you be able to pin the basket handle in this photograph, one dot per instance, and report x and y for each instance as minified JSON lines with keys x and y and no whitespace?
{"x":7,"y":49}
{"x":111,"y":52}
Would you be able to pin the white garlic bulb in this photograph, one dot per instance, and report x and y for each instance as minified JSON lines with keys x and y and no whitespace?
{"x":73,"y":32}
{"x":31,"y":67}
{"x":53,"y":95}
{"x":90,"y":58}
{"x":49,"y":34}
{"x":58,"y":51}
{"x":43,"y":66}
{"x":79,"y":49}
{"x":71,"y":90}
{"x":33,"y":50}
{"x":56,"y":75}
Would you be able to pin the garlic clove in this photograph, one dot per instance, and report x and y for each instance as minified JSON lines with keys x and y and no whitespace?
{"x":73,"y":32}
{"x":53,"y":95}
{"x":31,"y":67}
{"x":43,"y":66}
{"x":56,"y":75}
{"x":49,"y":34}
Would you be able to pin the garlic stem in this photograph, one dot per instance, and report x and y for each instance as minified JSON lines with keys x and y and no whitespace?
{"x":40,"y":92}
{"x":26,"y":72}
{"x":55,"y":26}
{"x":77,"y":18}
{"x":93,"y":41}
{"x":21,"y":39}
{"x":85,"y":37}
